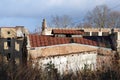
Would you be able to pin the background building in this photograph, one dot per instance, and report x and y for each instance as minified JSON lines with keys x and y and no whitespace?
{"x":12,"y":43}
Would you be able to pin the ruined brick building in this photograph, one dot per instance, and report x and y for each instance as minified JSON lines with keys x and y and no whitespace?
{"x":71,"y":48}
{"x":12,"y":43}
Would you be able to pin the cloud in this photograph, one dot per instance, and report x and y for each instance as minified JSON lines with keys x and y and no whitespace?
{"x":30,"y":13}
{"x":38,"y":8}
{"x":30,"y":23}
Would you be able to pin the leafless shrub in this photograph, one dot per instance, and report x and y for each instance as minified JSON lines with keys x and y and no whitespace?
{"x":14,"y":72}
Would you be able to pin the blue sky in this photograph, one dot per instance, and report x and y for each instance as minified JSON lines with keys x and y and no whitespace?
{"x":29,"y":13}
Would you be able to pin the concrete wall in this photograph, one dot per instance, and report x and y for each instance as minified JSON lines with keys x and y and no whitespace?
{"x":58,"y":50}
{"x":65,"y":57}
{"x":4,"y":32}
{"x":69,"y":63}
{"x":48,"y":30}
{"x":71,"y":57}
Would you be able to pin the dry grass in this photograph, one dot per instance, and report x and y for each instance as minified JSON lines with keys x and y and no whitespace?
{"x":13,"y":72}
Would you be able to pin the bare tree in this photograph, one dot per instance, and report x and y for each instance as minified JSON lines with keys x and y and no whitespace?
{"x":87,"y":25}
{"x":114,"y":19}
{"x":102,"y":16}
{"x":61,"y":21}
{"x":98,"y":16}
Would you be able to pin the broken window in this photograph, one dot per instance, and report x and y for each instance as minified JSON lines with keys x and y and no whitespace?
{"x":8,"y":56}
{"x":8,"y":32}
{"x":8,"y":42}
{"x":68,"y":35}
{"x":105,"y":33}
{"x":87,"y":34}
{"x":94,"y":33}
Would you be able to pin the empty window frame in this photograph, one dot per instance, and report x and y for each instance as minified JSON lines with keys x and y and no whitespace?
{"x":8,"y":32}
{"x":94,"y":33}
{"x":87,"y":34}
{"x":9,"y":42}
{"x":8,"y":56}
{"x":105,"y":33}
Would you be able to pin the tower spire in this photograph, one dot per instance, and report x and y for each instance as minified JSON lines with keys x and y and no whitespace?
{"x":44,"y":25}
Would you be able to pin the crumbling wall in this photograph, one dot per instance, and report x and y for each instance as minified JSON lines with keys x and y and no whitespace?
{"x":69,"y":63}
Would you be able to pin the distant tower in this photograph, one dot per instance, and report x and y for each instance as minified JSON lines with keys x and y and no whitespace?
{"x":44,"y":25}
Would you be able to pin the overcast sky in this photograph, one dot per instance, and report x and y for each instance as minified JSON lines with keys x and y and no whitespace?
{"x":30,"y":13}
